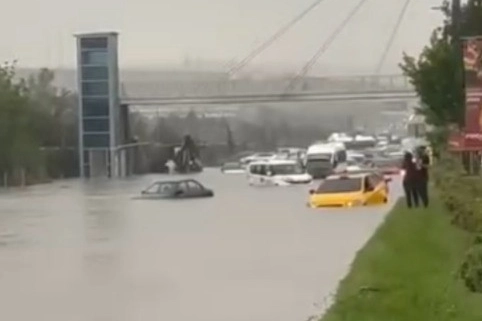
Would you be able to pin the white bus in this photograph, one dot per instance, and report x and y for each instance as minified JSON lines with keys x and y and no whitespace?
{"x":324,"y":159}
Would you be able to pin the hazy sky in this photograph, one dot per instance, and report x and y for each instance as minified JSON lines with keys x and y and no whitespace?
{"x":160,"y":32}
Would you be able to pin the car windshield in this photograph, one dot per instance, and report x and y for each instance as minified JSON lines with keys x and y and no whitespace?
{"x":313,"y":163}
{"x":342,"y":185}
{"x":286,"y":169}
{"x":319,"y":157}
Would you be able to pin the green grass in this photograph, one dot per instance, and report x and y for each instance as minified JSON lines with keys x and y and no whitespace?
{"x":408,"y":272}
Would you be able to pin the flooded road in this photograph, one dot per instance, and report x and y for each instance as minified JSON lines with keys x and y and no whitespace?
{"x":74,"y":251}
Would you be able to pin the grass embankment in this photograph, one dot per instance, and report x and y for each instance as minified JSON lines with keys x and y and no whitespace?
{"x":408,"y":272}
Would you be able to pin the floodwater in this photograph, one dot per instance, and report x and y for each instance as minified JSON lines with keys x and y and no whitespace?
{"x":86,"y":251}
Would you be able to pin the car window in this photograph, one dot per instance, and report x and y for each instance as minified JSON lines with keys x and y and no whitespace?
{"x":375,"y":179}
{"x":254,"y":169}
{"x":342,"y":185}
{"x":286,"y":169}
{"x":167,"y":188}
{"x":194,"y":186}
{"x":182,"y":187}
{"x":153,"y":189}
{"x":370,"y":183}
{"x":263,"y":170}
{"x":341,"y":156}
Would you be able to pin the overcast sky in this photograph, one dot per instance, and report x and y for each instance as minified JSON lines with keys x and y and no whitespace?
{"x":164,"y":32}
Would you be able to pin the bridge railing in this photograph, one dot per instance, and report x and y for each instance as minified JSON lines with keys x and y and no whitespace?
{"x":226,"y":87}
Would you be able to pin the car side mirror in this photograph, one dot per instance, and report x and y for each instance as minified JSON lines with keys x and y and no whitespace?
{"x":143,"y":192}
{"x":312,"y":191}
{"x":179,"y":192}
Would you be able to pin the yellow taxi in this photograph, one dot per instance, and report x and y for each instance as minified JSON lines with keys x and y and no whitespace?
{"x":349,"y":190}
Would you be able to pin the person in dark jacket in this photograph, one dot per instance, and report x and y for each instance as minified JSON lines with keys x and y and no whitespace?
{"x":423,"y":163}
{"x":410,"y":180}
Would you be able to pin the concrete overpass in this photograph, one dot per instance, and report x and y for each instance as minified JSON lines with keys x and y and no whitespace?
{"x":388,"y":88}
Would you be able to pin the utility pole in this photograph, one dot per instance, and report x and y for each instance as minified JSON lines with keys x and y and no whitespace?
{"x":457,"y":47}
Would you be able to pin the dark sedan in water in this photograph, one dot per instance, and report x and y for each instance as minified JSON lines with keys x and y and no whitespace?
{"x":188,"y":188}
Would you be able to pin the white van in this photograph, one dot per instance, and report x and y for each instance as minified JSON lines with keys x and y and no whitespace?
{"x":325,"y":159}
{"x":277,"y":173}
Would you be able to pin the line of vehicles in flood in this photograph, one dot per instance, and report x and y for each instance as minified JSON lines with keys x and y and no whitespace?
{"x":348,"y":177}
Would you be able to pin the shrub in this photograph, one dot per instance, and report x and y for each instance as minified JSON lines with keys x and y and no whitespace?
{"x":471,"y":269}
{"x":460,"y":193}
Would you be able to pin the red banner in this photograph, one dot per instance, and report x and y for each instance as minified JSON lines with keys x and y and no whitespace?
{"x":473,"y":115}
{"x":463,"y":142}
{"x":473,"y":84}
{"x":473,"y":64}
{"x":471,"y":138}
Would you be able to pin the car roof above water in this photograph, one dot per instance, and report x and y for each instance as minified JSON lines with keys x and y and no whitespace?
{"x":176,"y":181}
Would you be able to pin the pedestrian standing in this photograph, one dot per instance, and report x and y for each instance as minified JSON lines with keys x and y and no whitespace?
{"x":422,"y":176}
{"x":410,"y":180}
{"x":171,"y":165}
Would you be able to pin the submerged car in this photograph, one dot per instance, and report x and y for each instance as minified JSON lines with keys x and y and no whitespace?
{"x":233,"y":168}
{"x":350,"y":190}
{"x":188,"y":188}
{"x":277,"y":173}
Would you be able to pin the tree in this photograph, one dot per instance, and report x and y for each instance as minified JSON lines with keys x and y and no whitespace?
{"x":55,"y":110}
{"x":435,"y":74}
{"x":432,"y":75}
{"x":18,"y":139}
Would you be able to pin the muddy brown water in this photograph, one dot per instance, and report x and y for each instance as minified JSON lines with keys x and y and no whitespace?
{"x":86,"y":251}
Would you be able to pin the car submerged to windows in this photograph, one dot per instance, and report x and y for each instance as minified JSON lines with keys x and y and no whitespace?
{"x":188,"y":188}
{"x":277,"y":173}
{"x":350,"y":190}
